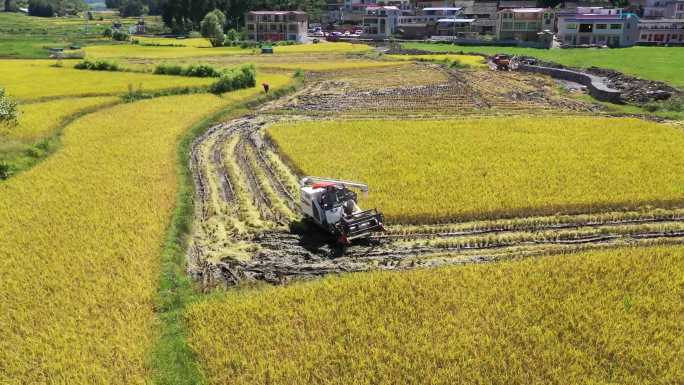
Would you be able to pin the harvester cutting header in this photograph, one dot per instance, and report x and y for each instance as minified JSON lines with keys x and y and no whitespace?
{"x":333,"y":206}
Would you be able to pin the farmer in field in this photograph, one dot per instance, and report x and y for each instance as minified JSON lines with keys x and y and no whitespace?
{"x":266,"y":87}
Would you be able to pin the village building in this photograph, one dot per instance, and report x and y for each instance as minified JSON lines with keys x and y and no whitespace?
{"x":525,"y":24}
{"x":661,"y":31}
{"x":598,"y":26}
{"x":276,"y":25}
{"x":380,"y":21}
{"x":664,"y":9}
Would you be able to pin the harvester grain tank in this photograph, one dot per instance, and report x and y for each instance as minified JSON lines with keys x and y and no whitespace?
{"x":332,"y":205}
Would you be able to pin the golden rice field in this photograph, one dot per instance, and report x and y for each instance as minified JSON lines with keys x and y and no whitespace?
{"x":82,"y":234}
{"x":199,"y":42}
{"x":154,"y":52}
{"x":430,"y":171}
{"x":39,"y":120}
{"x":602,"y":317}
{"x":35,"y":79}
{"x":474,"y":61}
{"x":331,"y":66}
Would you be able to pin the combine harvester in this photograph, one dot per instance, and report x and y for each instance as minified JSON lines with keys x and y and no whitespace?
{"x":332,"y":206}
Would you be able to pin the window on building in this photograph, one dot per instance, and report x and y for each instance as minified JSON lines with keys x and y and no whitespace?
{"x":586,"y":28}
{"x":291,"y":17}
{"x":644,"y":37}
{"x":571,"y":26}
{"x":520,"y":26}
{"x":250,"y":17}
{"x":507,"y":25}
{"x":601,"y":26}
{"x":250,"y":27}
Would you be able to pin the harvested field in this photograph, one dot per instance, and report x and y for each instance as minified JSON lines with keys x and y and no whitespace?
{"x":242,"y":233}
{"x":247,"y":225}
{"x":429,"y":90}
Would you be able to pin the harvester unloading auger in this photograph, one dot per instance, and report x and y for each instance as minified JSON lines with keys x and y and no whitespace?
{"x":332,"y":205}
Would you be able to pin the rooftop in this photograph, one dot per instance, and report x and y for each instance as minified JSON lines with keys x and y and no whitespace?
{"x":455,"y":20}
{"x":276,"y":12}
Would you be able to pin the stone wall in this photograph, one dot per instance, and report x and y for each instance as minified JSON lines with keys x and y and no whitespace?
{"x":595,"y":84}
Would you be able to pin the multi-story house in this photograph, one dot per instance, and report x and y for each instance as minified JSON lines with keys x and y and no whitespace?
{"x":380,"y":22}
{"x":276,"y":25}
{"x":598,"y":26}
{"x":525,"y":24}
{"x":664,"y":9}
{"x":661,"y":31}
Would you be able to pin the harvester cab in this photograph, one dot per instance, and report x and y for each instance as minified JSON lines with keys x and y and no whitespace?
{"x":333,"y":206}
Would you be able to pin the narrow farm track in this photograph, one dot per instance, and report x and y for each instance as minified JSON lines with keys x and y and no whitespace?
{"x":247,"y":227}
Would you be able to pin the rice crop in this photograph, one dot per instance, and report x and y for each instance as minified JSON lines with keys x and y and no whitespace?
{"x":154,"y":52}
{"x":169,"y":52}
{"x":599,"y":317}
{"x":39,"y":120}
{"x":199,"y":42}
{"x":322,"y":47}
{"x":433,"y":171}
{"x":332,"y":65}
{"x":35,"y":79}
{"x":82,"y":234}
{"x":474,"y":61}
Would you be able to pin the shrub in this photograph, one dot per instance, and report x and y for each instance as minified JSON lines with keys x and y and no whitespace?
{"x":201,"y":71}
{"x":5,"y":170}
{"x":243,"y":77}
{"x":194,"y":35}
{"x":168,"y":69}
{"x":120,"y":36}
{"x":99,"y":65}
{"x":8,"y":109}
{"x":194,"y":70}
{"x":107,"y":32}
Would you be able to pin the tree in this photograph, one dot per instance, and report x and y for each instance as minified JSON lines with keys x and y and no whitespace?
{"x":113,"y":4}
{"x":212,"y":27}
{"x":132,"y":8}
{"x":40,"y":8}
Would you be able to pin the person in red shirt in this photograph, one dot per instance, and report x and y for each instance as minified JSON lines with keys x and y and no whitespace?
{"x":266,"y":87}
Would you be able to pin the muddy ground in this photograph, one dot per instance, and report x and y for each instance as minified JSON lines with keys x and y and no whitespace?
{"x":247,"y":227}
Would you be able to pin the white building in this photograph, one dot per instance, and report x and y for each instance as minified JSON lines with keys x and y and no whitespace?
{"x":664,"y":9}
{"x":661,"y":31}
{"x":598,"y":26}
{"x":380,"y":21}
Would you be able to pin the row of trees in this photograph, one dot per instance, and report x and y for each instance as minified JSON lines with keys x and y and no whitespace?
{"x":49,"y":8}
{"x":129,"y":8}
{"x":186,"y":15}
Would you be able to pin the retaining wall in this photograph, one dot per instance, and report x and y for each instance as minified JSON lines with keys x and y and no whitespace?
{"x":596,"y":86}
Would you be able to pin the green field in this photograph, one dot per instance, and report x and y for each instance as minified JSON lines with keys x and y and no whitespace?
{"x":607,"y":317}
{"x":29,"y":37}
{"x":495,"y":167}
{"x":655,"y":63}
